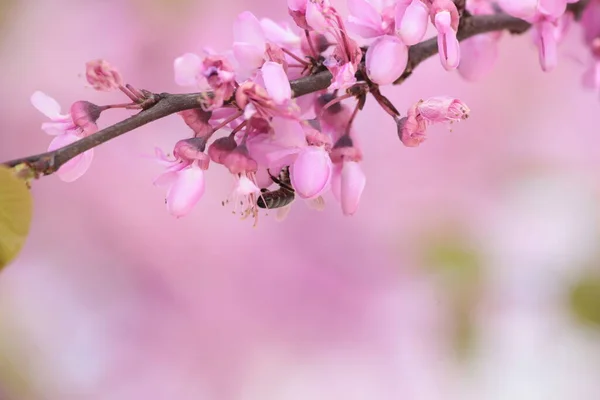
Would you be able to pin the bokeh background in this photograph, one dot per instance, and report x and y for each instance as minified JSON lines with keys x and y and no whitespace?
{"x":471,"y":270}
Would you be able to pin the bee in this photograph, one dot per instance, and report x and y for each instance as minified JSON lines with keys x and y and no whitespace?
{"x":281,"y":197}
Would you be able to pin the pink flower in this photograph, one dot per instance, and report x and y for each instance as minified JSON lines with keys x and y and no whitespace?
{"x":102,"y":76}
{"x":412,"y":18}
{"x":386,"y":59}
{"x":348,"y":185}
{"x":183,"y":177}
{"x":68,"y":128}
{"x":441,"y":109}
{"x":311,"y":172}
{"x":275,"y":99}
{"x":244,"y":195}
{"x":444,"y":16}
{"x":548,"y":29}
{"x":217,"y":71}
{"x":220,"y":75}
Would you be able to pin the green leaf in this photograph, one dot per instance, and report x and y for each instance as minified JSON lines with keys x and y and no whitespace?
{"x":16,"y":208}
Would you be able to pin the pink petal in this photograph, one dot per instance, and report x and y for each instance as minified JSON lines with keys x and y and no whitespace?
{"x":77,"y":166}
{"x":552,"y":8}
{"x":186,"y":191}
{"x":386,"y":59}
{"x":311,"y":172}
{"x":186,"y":69}
{"x":478,"y":56}
{"x":297,"y":5}
{"x":547,"y":45}
{"x":411,"y":23}
{"x":315,"y":18}
{"x":525,"y":9}
{"x":283,"y":36}
{"x":46,"y":105}
{"x":276,"y":82}
{"x":364,"y":19}
{"x":353,"y":182}
{"x":245,"y":187}
{"x":344,"y":76}
{"x":166,"y":179}
{"x":247,"y":29}
{"x":449,"y":47}
{"x":249,"y":56}
{"x":57,"y":128}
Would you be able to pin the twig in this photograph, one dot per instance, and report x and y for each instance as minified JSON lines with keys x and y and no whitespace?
{"x":167,"y":104}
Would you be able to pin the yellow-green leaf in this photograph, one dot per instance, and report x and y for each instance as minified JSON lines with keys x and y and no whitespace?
{"x":16,"y":207}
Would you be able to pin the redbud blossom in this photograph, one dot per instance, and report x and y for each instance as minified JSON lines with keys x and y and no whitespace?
{"x":353,"y":182}
{"x":311,"y":172}
{"x":102,"y":76}
{"x":348,"y":183}
{"x":220,"y":75}
{"x":412,"y":18}
{"x":548,"y":30}
{"x":386,"y":59}
{"x":69,"y":128}
{"x":441,"y":109}
{"x":445,"y":17}
{"x":184,"y":176}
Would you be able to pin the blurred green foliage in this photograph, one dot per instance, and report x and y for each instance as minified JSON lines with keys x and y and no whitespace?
{"x":457,"y":266}
{"x":16,"y":208}
{"x":584,"y":299}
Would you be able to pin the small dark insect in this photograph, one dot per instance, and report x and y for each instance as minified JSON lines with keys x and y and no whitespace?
{"x":278,"y":198}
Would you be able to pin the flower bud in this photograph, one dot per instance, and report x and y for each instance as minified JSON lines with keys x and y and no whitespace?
{"x":443,"y":109}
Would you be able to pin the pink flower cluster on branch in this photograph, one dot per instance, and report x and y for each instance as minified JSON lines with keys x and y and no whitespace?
{"x":286,"y":97}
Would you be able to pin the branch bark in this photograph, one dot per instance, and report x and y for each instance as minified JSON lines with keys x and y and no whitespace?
{"x":167,"y":104}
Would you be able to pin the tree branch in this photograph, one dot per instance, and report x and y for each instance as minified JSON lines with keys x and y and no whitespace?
{"x":167,"y":104}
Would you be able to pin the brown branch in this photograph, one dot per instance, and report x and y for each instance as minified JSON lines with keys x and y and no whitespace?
{"x":167,"y":104}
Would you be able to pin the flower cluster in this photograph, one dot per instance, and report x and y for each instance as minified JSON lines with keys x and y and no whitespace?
{"x":308,"y":145}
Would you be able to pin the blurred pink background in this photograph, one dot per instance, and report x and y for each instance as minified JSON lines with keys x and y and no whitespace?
{"x":466,"y":273}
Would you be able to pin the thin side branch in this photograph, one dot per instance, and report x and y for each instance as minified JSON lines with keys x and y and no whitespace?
{"x":167,"y":104}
